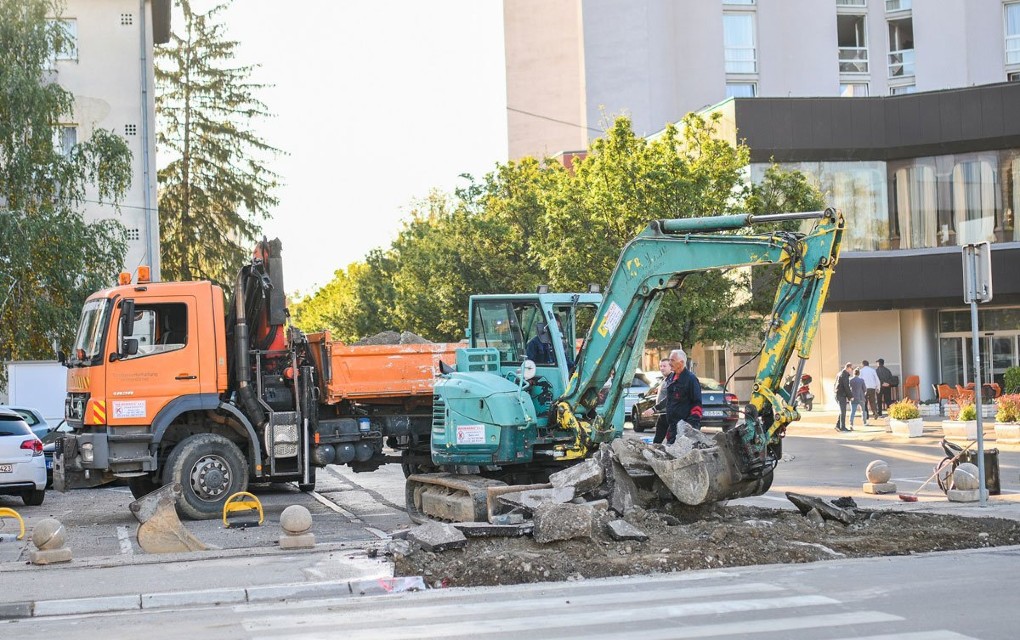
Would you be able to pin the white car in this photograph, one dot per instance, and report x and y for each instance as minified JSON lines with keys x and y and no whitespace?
{"x":22,"y":466}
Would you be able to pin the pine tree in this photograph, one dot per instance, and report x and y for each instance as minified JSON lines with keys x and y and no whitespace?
{"x":51,"y":258}
{"x":218,"y":187}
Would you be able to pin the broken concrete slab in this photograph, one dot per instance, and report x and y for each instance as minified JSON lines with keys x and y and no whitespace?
{"x":582,"y":477}
{"x":623,"y":530}
{"x":830,"y":512}
{"x":534,"y":498}
{"x":508,"y":518}
{"x":628,"y":453}
{"x":563,"y":522}
{"x":437,"y":536}
{"x":486,"y":530}
{"x":623,"y":492}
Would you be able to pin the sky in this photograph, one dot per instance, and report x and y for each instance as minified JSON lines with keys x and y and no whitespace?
{"x":376,"y":104}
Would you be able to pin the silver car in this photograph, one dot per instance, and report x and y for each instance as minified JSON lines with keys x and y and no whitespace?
{"x":33,"y":417}
{"x":22,"y":467}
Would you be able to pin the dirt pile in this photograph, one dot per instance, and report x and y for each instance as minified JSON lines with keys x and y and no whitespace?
{"x":644,"y":485}
{"x":393,"y":337}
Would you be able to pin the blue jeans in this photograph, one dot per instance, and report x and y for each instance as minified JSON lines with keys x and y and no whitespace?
{"x":853,"y":412}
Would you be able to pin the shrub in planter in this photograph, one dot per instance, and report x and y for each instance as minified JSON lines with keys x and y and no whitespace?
{"x":1011,"y":381}
{"x":905,"y":419}
{"x":962,"y":423}
{"x":968,"y":412}
{"x":1007,"y":418}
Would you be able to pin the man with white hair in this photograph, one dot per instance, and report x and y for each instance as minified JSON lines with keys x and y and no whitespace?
{"x":683,"y":395}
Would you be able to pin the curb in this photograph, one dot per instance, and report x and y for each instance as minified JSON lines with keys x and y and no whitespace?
{"x":212,"y":597}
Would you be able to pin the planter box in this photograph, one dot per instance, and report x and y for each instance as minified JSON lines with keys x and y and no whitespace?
{"x":1007,"y":432}
{"x":912,"y":428}
{"x":928,"y":409}
{"x":988,"y":410}
{"x":959,"y":429}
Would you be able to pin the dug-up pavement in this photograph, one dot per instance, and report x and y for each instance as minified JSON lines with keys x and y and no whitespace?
{"x":357,"y":564}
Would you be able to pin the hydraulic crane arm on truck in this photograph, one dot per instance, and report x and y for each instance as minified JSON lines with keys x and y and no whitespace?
{"x":489,"y":420}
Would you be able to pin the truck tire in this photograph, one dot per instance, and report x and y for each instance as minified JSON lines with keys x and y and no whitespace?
{"x":143,"y":485}
{"x":210,"y":469}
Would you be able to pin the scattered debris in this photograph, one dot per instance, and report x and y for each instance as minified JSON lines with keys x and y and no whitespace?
{"x":846,"y":502}
{"x":392,"y":337}
{"x":827,"y":511}
{"x":563,"y":522}
{"x":437,"y":536}
{"x":623,"y":530}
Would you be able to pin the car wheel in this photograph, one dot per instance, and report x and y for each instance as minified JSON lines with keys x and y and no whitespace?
{"x":33,"y":498}
{"x":807,"y":405}
{"x":210,"y":469}
{"x":635,"y":422}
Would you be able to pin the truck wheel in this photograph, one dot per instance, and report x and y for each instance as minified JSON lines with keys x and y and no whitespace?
{"x":33,"y":498}
{"x":210,"y":469}
{"x":143,"y":485}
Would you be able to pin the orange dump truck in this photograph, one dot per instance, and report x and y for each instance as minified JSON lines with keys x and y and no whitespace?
{"x":168,"y":384}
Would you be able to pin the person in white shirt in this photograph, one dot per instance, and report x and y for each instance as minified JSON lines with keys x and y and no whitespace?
{"x":872,"y":385}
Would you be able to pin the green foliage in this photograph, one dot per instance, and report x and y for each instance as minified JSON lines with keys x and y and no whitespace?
{"x":1009,"y":408}
{"x":218,"y":187}
{"x":968,"y":411}
{"x":1011,"y":380}
{"x":52,"y":258}
{"x":530,"y":222}
{"x":904,"y":410}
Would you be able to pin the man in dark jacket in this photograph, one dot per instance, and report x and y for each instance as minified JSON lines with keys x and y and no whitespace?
{"x":843,"y":395}
{"x":683,"y":396}
{"x":885,"y":390}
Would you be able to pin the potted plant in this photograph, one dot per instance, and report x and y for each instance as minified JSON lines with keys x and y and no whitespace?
{"x":1007,"y":419}
{"x":905,"y":419}
{"x":962,"y":422}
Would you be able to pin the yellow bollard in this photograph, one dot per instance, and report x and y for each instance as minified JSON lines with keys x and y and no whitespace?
{"x":242,"y":503}
{"x":11,"y":513}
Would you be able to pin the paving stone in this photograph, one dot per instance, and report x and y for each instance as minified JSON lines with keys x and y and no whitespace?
{"x":437,"y":536}
{"x":563,"y":522}
{"x":583,"y":477}
{"x":623,"y":530}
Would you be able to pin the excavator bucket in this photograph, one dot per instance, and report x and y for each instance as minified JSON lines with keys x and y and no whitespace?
{"x":161,"y":530}
{"x":700,"y":469}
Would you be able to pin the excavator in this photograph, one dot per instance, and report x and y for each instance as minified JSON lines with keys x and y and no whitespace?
{"x":502,"y":420}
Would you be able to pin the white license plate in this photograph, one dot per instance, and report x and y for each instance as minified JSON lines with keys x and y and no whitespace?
{"x":714,"y":414}
{"x":6,"y":468}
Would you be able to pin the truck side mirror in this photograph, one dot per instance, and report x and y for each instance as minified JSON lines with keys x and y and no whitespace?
{"x":130,"y":347}
{"x":127,"y":317}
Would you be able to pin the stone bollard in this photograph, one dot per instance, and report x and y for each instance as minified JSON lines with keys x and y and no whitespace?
{"x":296,"y":522}
{"x":49,"y":537}
{"x":966,"y":484}
{"x":878,"y":474}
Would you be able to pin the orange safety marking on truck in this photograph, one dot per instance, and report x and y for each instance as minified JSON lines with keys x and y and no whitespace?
{"x":77,"y":383}
{"x":95,"y":412}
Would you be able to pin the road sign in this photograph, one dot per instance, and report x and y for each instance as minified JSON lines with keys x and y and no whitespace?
{"x":977,"y":272}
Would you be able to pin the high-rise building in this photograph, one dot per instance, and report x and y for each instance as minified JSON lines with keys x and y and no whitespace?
{"x":108,"y":67}
{"x":902,"y":113}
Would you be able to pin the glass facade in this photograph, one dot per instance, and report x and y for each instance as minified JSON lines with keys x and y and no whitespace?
{"x":997,"y":345}
{"x":921,"y":203}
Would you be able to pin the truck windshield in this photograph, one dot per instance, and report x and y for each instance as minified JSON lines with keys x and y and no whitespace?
{"x":88,"y":343}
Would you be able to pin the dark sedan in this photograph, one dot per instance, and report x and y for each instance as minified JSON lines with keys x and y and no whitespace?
{"x":719,"y":407}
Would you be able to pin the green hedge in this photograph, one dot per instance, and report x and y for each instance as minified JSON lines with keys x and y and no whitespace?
{"x":1012,"y":380}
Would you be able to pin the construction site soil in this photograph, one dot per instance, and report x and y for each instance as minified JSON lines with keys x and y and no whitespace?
{"x":709,"y":538}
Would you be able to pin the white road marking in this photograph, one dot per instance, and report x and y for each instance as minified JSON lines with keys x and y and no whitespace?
{"x":124,"y":536}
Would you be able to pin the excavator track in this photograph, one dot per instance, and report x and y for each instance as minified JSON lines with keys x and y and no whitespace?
{"x":448,"y":497}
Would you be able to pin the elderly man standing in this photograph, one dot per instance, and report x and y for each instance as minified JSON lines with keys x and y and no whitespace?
{"x":683,"y":395}
{"x":872,"y":385}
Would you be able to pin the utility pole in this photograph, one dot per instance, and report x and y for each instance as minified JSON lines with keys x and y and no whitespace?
{"x":977,"y":287}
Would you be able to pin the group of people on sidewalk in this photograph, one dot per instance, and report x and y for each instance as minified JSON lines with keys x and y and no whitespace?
{"x":863,"y":388}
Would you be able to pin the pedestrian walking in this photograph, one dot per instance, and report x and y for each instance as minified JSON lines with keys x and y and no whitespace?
{"x":857,"y":392}
{"x":885,"y":379}
{"x":843,"y":395}
{"x":872,"y":385}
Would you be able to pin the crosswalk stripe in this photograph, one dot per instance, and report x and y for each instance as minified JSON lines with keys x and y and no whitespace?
{"x":941,"y":634}
{"x":343,"y":611}
{"x":493,"y":619}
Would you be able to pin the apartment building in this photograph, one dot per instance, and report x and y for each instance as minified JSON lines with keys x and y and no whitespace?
{"x":108,"y":68}
{"x":903,"y":113}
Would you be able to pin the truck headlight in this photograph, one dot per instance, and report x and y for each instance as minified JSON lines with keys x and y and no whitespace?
{"x":87,"y":454}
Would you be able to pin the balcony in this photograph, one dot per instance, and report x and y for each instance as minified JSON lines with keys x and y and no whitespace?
{"x":853,"y":59}
{"x":901,"y":63}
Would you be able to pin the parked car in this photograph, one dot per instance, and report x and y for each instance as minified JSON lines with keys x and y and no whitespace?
{"x":639,"y":386}
{"x":719,"y":407}
{"x":35,"y":420}
{"x":22,"y":467}
{"x":49,"y":445}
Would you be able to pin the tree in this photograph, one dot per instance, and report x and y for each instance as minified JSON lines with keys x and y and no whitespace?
{"x":52,"y":258}
{"x":218,"y":187}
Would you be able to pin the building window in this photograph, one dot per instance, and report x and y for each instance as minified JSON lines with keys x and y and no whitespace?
{"x":973,"y":190}
{"x":738,"y":1}
{"x":1012,"y":33}
{"x":901,"y":48}
{"x":902,"y":89}
{"x":741,"y":89}
{"x":851,"y":3}
{"x":64,"y":139}
{"x":915,"y":205}
{"x":67,"y":46}
{"x":853,"y":90}
{"x":738,"y":40}
{"x":897,"y":5}
{"x":853,"y":43}
{"x":1014,"y":77}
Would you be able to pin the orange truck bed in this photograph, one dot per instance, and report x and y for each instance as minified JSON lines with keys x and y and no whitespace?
{"x":378,"y":373}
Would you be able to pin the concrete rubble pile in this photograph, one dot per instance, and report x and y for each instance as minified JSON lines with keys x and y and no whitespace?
{"x":606,"y":492}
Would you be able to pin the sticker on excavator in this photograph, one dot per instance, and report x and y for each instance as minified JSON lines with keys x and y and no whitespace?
{"x":611,"y":320}
{"x":240,"y":511}
{"x":7,"y":512}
